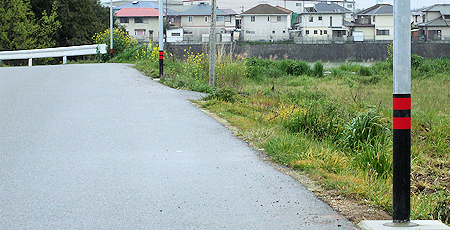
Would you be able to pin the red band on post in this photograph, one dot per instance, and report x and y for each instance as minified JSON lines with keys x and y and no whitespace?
{"x":111,"y":50}
{"x":401,"y":123}
{"x":402,"y":103}
{"x":161,"y":55}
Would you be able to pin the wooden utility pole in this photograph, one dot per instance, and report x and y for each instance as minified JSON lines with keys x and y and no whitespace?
{"x":212,"y":45}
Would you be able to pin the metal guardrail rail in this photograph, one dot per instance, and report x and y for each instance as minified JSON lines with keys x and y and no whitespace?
{"x":63,"y":52}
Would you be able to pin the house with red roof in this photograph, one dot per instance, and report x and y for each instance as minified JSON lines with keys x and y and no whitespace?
{"x":140,"y":23}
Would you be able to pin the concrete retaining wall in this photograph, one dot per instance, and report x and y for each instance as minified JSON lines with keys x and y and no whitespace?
{"x":314,"y":52}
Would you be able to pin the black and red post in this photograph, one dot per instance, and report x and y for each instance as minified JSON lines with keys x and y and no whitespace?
{"x":401,"y":157}
{"x":161,"y":63}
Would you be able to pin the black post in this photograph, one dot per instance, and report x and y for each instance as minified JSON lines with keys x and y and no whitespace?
{"x":161,"y":64}
{"x":401,"y":158}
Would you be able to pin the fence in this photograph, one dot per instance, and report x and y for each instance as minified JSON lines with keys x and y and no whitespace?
{"x":63,"y":52}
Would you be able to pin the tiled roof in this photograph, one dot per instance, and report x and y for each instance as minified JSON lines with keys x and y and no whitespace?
{"x":443,"y":8}
{"x":265,"y":9}
{"x":202,"y":10}
{"x":138,"y":4}
{"x":137,"y":12}
{"x":438,"y":22}
{"x":378,"y":9}
{"x":284,"y":9}
{"x":329,"y":7}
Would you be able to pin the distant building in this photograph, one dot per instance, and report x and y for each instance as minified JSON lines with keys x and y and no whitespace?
{"x":323,"y":22}
{"x":266,"y":23}
{"x":436,"y":23}
{"x":375,"y":23}
{"x":140,"y":23}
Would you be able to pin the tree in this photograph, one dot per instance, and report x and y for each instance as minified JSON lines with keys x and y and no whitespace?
{"x":80,"y":20}
{"x":17,"y":25}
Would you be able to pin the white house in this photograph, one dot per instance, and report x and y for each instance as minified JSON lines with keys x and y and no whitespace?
{"x":196,"y":21}
{"x":323,"y":22}
{"x":266,"y":23}
{"x":436,"y":22}
{"x":141,"y":23}
{"x":376,"y":23}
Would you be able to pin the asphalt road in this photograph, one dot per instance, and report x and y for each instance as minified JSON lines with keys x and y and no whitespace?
{"x":100,"y":146}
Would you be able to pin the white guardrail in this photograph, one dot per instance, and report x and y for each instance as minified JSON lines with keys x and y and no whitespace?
{"x":63,"y":52}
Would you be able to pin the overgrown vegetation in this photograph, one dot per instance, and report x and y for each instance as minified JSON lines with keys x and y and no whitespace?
{"x":335,"y":124}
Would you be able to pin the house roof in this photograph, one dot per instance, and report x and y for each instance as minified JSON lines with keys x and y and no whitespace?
{"x":329,"y":7}
{"x":284,"y":9}
{"x":202,"y":10}
{"x":438,"y":22}
{"x":229,"y":11}
{"x":264,"y":9}
{"x":137,"y":12}
{"x":378,"y":9}
{"x":443,"y":8}
{"x":138,"y":4}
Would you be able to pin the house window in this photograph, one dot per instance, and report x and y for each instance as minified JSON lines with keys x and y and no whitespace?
{"x":190,"y":19}
{"x":325,"y":32}
{"x":188,"y":32}
{"x":320,"y":18}
{"x":298,"y":4}
{"x":321,"y":32}
{"x":315,"y":31}
{"x":206,"y":18}
{"x":331,"y":21}
{"x":383,"y":32}
{"x":176,"y":34}
{"x":349,"y":6}
{"x":447,"y":17}
{"x":311,"y":19}
{"x":228,"y":18}
{"x":273,"y":31}
{"x":220,"y":18}
{"x":138,"y":20}
{"x":278,"y":18}
{"x":373,"y":18}
{"x":139,"y":32}
{"x":252,"y":18}
{"x":268,"y":18}
{"x":307,"y":31}
{"x":150,"y":33}
{"x":124,"y":20}
{"x":284,"y":31}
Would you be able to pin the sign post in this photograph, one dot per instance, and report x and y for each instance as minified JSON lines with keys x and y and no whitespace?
{"x":161,"y":40}
{"x":401,"y":202}
{"x":212,"y":45}
{"x":111,"y":23}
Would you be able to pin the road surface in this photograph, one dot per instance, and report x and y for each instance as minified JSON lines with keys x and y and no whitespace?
{"x":100,"y":146}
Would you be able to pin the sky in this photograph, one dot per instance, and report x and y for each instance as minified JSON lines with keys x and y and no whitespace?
{"x":360,"y":4}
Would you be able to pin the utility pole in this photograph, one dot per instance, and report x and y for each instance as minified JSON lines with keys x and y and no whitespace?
{"x":111,"y":28}
{"x":161,"y":38}
{"x":401,"y":202}
{"x":212,"y":45}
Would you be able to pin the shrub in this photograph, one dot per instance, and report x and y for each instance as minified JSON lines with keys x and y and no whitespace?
{"x":365,"y":71}
{"x":121,"y":41}
{"x":318,"y":69}
{"x":320,"y":119}
{"x":364,"y":129}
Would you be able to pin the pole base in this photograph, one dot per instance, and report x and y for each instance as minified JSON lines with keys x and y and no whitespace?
{"x":400,"y":224}
{"x":389,"y":225}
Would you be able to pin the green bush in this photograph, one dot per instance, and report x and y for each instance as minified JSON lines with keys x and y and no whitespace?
{"x":365,"y":71}
{"x":320,"y":119}
{"x":121,"y":41}
{"x":364,"y":129}
{"x":318,"y":69}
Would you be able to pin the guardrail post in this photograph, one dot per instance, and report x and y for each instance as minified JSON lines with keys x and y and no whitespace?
{"x":30,"y":62}
{"x":64,"y":60}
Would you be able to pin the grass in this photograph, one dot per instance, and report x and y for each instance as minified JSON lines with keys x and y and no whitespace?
{"x":335,"y":124}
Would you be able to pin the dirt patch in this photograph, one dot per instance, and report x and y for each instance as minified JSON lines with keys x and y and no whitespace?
{"x":351,"y":208}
